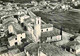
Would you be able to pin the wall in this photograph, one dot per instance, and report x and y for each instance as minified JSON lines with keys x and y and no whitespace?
{"x":53,"y":38}
{"x":47,"y":29}
{"x":18,"y":40}
{"x":10,"y":28}
{"x":77,"y":51}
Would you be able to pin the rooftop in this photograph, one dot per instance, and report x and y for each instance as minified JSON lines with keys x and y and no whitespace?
{"x":72,"y":43}
{"x":49,"y":34}
{"x":17,"y":28}
{"x":20,"y":54}
{"x":76,"y":47}
{"x":11,"y":38}
{"x":9,"y":19}
{"x":46,"y":26}
{"x":29,"y":20}
{"x":2,"y":49}
{"x":47,"y":49}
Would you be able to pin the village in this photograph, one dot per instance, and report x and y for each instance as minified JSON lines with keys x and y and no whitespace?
{"x":43,"y":28}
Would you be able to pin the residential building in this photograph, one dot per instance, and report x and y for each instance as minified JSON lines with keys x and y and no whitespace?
{"x":20,"y":54}
{"x":2,"y":33}
{"x":72,"y":46}
{"x":77,"y":39}
{"x":43,"y":2}
{"x":76,"y":48}
{"x":46,"y":50}
{"x":16,"y":40}
{"x":35,"y":3}
{"x":14,"y":28}
{"x":1,"y":7}
{"x":23,"y":17}
{"x":65,"y":6}
{"x":16,"y":34}
{"x":11,"y":52}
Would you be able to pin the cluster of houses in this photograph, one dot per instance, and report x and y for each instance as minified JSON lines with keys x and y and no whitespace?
{"x":34,"y":27}
{"x":25,"y":22}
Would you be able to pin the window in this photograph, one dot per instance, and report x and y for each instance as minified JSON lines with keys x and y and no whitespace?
{"x":15,"y":38}
{"x":22,"y":24}
{"x":21,"y":37}
{"x":16,"y":43}
{"x":47,"y":29}
{"x":42,"y":30}
{"x":51,"y":37}
{"x":38,"y":21}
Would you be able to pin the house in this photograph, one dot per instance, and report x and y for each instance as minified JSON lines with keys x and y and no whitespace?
{"x":16,"y":40}
{"x":46,"y":27}
{"x":42,"y":54}
{"x":11,"y":52}
{"x":20,"y":54}
{"x":35,"y":3}
{"x":76,"y":48}
{"x":72,"y":46}
{"x":23,"y":17}
{"x":20,"y":11}
{"x":3,"y":49}
{"x":65,"y":6}
{"x":16,"y":34}
{"x":2,"y":33}
{"x":6,"y":19}
{"x":77,"y":39}
{"x":7,"y":8}
{"x":27,"y":53}
{"x":1,"y":7}
{"x":45,"y":49}
{"x":14,"y":28}
{"x":43,"y":2}
{"x":48,"y":33}
{"x":33,"y":53}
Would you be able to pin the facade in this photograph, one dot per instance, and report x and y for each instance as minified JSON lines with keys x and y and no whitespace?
{"x":43,"y":2}
{"x":46,"y":27}
{"x":12,"y":52}
{"x":65,"y":6}
{"x":1,"y":7}
{"x":76,"y":48}
{"x":22,"y":18}
{"x":17,"y":34}
{"x":72,"y":47}
{"x":53,"y":38}
{"x":16,"y":40}
{"x":35,"y":3}
{"x":27,"y":53}
{"x":20,"y":54}
{"x":10,"y":28}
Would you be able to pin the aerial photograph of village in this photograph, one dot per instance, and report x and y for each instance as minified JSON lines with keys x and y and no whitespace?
{"x":39,"y":27}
